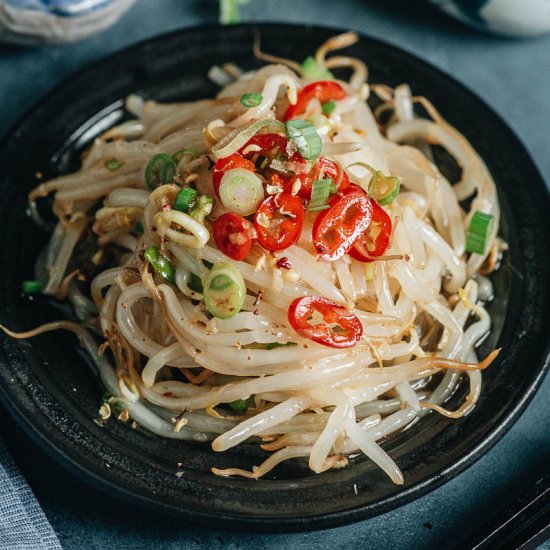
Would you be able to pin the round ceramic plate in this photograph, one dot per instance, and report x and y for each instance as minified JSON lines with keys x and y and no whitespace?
{"x":50,"y":387}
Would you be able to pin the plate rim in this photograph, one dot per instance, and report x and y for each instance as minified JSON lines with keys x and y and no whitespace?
{"x":279,"y":524}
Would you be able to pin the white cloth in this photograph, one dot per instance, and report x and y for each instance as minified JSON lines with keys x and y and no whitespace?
{"x":23,"y":525}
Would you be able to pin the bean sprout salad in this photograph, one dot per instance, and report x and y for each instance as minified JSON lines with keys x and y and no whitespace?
{"x":284,"y":265}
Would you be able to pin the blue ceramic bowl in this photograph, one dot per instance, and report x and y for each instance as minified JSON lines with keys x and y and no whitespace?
{"x":521,"y":18}
{"x":41,"y":22}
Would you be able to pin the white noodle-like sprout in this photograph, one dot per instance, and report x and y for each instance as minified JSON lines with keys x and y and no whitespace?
{"x":199,"y":234}
{"x":269,"y":96}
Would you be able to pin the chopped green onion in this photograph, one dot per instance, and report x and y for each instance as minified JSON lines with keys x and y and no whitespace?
{"x":160,"y":169}
{"x":138,"y":229}
{"x":251,"y":100}
{"x":262,"y":162}
{"x":202,"y":208}
{"x":305,"y":137}
{"x":320,"y":192}
{"x":184,"y":199}
{"x":479,"y":232}
{"x":113,"y":164}
{"x":178,"y":155}
{"x":328,"y":107}
{"x":229,"y":11}
{"x":32,"y":287}
{"x":241,"y":191}
{"x":224,"y":291}
{"x":195,"y":283}
{"x":161,"y":265}
{"x":240,"y":405}
{"x":274,"y":345}
{"x":383,"y":188}
{"x":314,"y":70}
{"x":322,"y":124}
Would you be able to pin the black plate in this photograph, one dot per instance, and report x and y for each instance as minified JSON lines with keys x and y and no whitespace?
{"x":50,"y":388}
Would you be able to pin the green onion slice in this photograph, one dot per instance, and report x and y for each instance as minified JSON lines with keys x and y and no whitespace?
{"x":113,"y":164}
{"x":202,"y":208}
{"x":138,"y":229}
{"x":322,"y":124}
{"x":178,"y":155}
{"x":305,"y":137}
{"x":240,"y":405}
{"x":313,"y":70}
{"x":262,"y":162}
{"x":251,"y":100}
{"x":479,"y":232}
{"x":184,"y":199}
{"x":224,"y":291}
{"x":160,"y":169}
{"x":241,"y":191}
{"x":32,"y":287}
{"x":384,"y":188}
{"x":381,"y":187}
{"x":229,"y":11}
{"x":328,"y":107}
{"x":161,"y":265}
{"x":320,"y":192}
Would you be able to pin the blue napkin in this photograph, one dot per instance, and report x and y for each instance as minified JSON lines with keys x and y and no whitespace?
{"x":23,"y":524}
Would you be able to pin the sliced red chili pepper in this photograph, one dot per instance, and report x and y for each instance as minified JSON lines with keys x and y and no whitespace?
{"x":232,"y":235}
{"x":279,"y":221}
{"x":324,"y":168}
{"x":264,"y":144}
{"x":229,"y":163}
{"x":269,"y":145}
{"x":302,"y":309}
{"x":323,"y":90}
{"x":280,"y":181}
{"x":329,"y":169}
{"x":336,"y":229}
{"x":375,"y":239}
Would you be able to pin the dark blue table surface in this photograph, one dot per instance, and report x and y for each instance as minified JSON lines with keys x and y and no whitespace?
{"x":512,"y":76}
